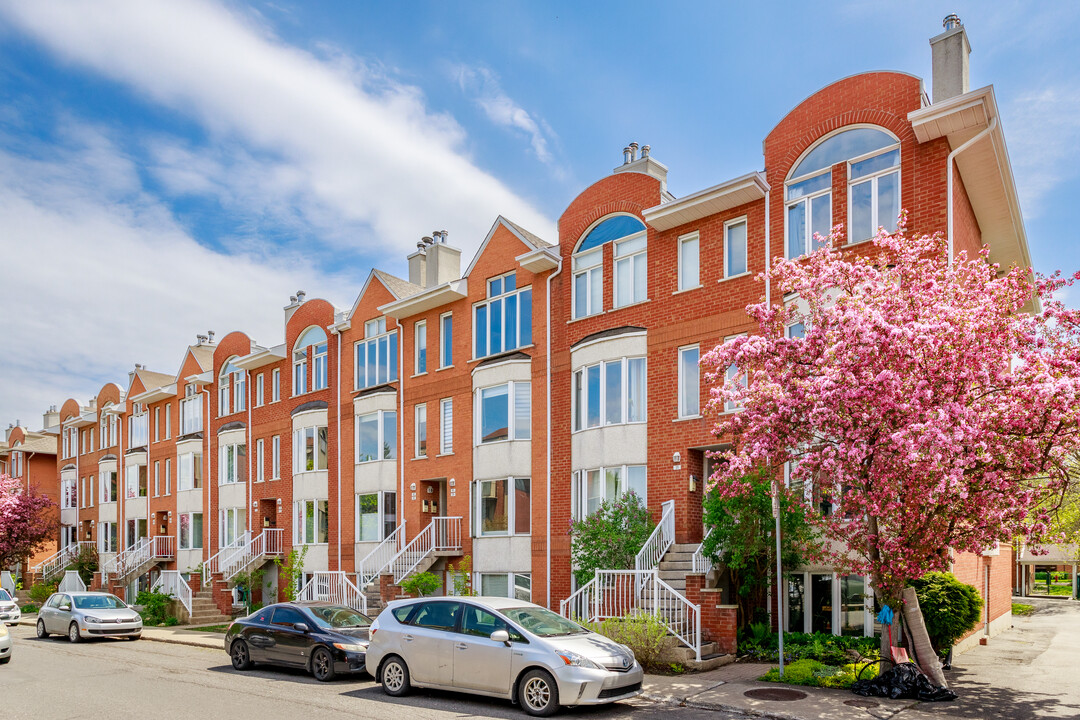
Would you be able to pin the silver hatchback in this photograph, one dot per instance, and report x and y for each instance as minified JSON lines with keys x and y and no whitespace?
{"x":499,"y":647}
{"x":80,"y":615}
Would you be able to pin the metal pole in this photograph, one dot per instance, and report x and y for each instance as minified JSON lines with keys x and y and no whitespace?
{"x":779,"y":577}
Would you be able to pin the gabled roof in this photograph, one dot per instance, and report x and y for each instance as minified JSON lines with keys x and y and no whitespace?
{"x":203,"y":354}
{"x":530,"y":240}
{"x":397,"y":287}
{"x":39,"y":445}
{"x":152,"y":380}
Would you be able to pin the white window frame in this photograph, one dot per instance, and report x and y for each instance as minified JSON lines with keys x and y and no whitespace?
{"x":630,"y":260}
{"x":446,"y":426}
{"x":374,"y":332}
{"x":683,"y":414}
{"x":730,"y":407}
{"x":504,"y":298}
{"x":511,"y":508}
{"x":579,"y":487}
{"x":259,"y":397}
{"x":275,"y":386}
{"x":683,"y":280}
{"x":157,"y":424}
{"x":579,"y":394}
{"x":514,"y":433}
{"x":275,"y":462}
{"x":192,"y":460}
{"x":872,"y":178}
{"x":300,"y":511}
{"x":260,"y":465}
{"x":808,"y":235}
{"x":168,"y":476}
{"x":419,"y":420}
{"x":380,"y":424}
{"x":320,"y":366}
{"x":300,"y":449}
{"x":727,"y":249}
{"x":511,"y":582}
{"x":446,"y":340}
{"x":224,"y":478}
{"x":191,"y":532}
{"x":383,"y":507}
{"x":594,"y":274}
{"x":157,"y":478}
{"x":420,"y":347}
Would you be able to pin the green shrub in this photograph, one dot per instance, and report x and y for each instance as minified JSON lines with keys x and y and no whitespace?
{"x":950,"y":608}
{"x":758,"y":642}
{"x":421,"y":584}
{"x":644,"y":634}
{"x":610,"y":537}
{"x":40,"y":592}
{"x":86,"y":563}
{"x":155,"y":606}
{"x":814,"y":673}
{"x":30,"y":608}
{"x":171,"y":621}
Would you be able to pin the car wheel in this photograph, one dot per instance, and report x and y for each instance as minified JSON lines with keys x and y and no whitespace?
{"x":322,"y":665}
{"x":5,"y":661}
{"x":538,"y":693}
{"x":73,"y":633}
{"x":41,"y":631}
{"x":241,"y":656}
{"x":395,"y":676}
{"x":134,"y":637}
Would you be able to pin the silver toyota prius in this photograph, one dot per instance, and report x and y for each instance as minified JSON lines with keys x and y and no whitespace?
{"x":80,"y":615}
{"x":500,"y":647}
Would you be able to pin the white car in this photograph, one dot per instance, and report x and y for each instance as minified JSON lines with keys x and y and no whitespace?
{"x":499,"y":647}
{"x":5,"y":645}
{"x":9,"y":609}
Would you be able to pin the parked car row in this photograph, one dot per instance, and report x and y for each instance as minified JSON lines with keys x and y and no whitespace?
{"x":499,"y":647}
{"x":84,"y":615}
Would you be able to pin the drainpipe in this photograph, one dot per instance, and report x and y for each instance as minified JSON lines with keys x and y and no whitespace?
{"x":337,"y":389}
{"x":402,"y":541}
{"x":949,"y":182}
{"x":207,"y":482}
{"x":250,"y":451}
{"x":768,"y":253}
{"x":549,"y":442}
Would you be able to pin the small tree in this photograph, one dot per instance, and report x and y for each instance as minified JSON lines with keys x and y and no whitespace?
{"x":461,"y":577}
{"x":950,"y":608}
{"x":421,"y":584}
{"x":28,"y":522}
{"x":742,"y":539}
{"x":611,"y":537}
{"x":86,"y":563}
{"x":290,"y":570}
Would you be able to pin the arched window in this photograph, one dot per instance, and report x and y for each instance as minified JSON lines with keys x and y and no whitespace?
{"x":232,"y":388}
{"x":629,"y":238}
{"x":313,"y":336}
{"x":873,"y":174}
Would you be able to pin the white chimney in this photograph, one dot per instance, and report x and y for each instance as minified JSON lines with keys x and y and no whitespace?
{"x":951,"y":52}
{"x":443,"y":262}
{"x":418,"y":265}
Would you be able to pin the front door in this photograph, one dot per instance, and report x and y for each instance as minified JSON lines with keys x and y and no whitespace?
{"x":480,"y":663}
{"x":428,"y":643}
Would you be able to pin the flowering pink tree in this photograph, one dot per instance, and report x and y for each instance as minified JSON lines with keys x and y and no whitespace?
{"x":27,"y":522}
{"x":923,"y":402}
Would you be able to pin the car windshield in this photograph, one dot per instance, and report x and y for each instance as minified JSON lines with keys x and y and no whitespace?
{"x":99,"y":602}
{"x":542,"y":622}
{"x":330,"y":617}
{"x":4,"y":596}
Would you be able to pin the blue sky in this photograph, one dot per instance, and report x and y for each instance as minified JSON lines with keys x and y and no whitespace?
{"x":168,"y":168}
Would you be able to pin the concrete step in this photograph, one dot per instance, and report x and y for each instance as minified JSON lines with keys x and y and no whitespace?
{"x":677,"y":557}
{"x":685,"y":567}
{"x":683,"y":547}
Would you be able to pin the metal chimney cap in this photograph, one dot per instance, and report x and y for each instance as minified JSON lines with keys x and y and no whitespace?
{"x":645,"y":151}
{"x":427,"y":240}
{"x":443,"y":234}
{"x":292,"y":299}
{"x":420,"y":245}
{"x":300,"y":294}
{"x":952,"y":20}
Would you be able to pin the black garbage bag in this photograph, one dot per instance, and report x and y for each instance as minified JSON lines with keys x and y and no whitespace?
{"x":903,"y":681}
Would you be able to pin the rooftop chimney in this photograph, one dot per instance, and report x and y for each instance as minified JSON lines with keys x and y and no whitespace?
{"x":210,"y":335}
{"x":51,"y":418}
{"x":633,"y":151}
{"x":626,"y":155}
{"x":300,"y":295}
{"x":200,"y":339}
{"x":951,"y":52}
{"x":646,"y":164}
{"x":418,"y":264}
{"x":443,"y":262}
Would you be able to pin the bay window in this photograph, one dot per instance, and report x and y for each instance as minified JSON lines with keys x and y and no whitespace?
{"x":232,"y":524}
{"x":138,"y":427}
{"x":108,"y":486}
{"x":189,"y":471}
{"x":631,"y":284}
{"x":232,"y":463}
{"x":504,"y":413}
{"x":592,"y":487}
{"x":376,"y":436}
{"x":191,"y":531}
{"x":311,"y":522}
{"x":502,"y":507}
{"x":106,"y":537}
{"x":136,"y":479}
{"x":609,"y":393}
{"x":376,"y":516}
{"x":310,"y":448}
{"x":376,"y":355}
{"x":512,"y":585}
{"x":191,"y":413}
{"x":504,"y":321}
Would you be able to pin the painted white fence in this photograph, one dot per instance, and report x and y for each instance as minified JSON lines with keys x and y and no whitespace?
{"x":173,"y":583}
{"x":71,"y":582}
{"x":378,"y":560}
{"x":334,"y":587}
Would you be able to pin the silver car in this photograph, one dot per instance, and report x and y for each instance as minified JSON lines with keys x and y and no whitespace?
{"x":80,"y":615}
{"x":9,"y":609}
{"x":5,"y":645}
{"x":499,"y":647}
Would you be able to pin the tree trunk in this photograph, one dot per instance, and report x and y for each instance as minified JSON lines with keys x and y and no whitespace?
{"x":926,"y":657}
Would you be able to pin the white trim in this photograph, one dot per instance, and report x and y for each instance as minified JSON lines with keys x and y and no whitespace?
{"x":681,"y":410}
{"x":742,"y":219}
{"x":694,"y":236}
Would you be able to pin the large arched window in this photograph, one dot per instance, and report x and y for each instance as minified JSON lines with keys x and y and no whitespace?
{"x":232,"y":388}
{"x":628,"y":235}
{"x":873,"y":174}
{"x":313,"y":336}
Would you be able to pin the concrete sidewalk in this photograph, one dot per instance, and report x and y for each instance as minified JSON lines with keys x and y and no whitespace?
{"x":177,"y":635}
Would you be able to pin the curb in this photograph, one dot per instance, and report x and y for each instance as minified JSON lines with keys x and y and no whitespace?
{"x":717,"y":707}
{"x":177,"y":641}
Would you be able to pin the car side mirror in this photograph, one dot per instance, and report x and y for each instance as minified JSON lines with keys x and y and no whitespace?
{"x":501,"y":636}
{"x":301,"y":627}
{"x":65,"y":608}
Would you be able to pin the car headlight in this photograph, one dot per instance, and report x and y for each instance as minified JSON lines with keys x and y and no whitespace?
{"x":3,"y":630}
{"x":91,"y":619}
{"x":572,"y":658}
{"x":137,"y":618}
{"x":351,"y":647}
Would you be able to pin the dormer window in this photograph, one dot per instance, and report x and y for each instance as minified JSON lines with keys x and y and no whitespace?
{"x":314,"y":337}
{"x":873,"y":175}
{"x":504,"y":321}
{"x":376,"y":355}
{"x":629,"y":235}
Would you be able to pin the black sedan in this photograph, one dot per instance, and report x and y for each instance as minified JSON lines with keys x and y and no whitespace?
{"x":323,"y":638}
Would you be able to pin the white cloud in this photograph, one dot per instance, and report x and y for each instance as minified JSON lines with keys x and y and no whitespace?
{"x":1043,"y":132}
{"x":97,"y":275}
{"x":502,"y":110}
{"x":356,"y":153}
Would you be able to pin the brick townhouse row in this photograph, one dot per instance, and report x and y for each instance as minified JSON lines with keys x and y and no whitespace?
{"x":474,"y":411}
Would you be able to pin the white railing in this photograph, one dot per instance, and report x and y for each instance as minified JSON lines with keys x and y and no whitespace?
{"x":375,"y":562}
{"x":699,"y":564}
{"x":268,"y":542}
{"x":334,"y":587}
{"x":190,"y":415}
{"x":7,"y":583}
{"x":127,"y":561}
{"x":618,"y":593}
{"x":441,"y":534}
{"x":173,"y":583}
{"x":662,"y":538}
{"x":213,"y":566}
{"x":71,"y":582}
{"x":58,"y":561}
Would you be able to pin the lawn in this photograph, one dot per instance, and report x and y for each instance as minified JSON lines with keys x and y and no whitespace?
{"x":1022,"y":609}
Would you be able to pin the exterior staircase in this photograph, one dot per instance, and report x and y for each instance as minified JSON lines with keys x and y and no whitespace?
{"x":55,"y":565}
{"x":204,"y":611}
{"x":138,"y":559}
{"x":675,"y":564}
{"x":440,"y":538}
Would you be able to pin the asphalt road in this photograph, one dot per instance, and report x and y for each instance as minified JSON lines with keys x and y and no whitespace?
{"x":139,"y":679}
